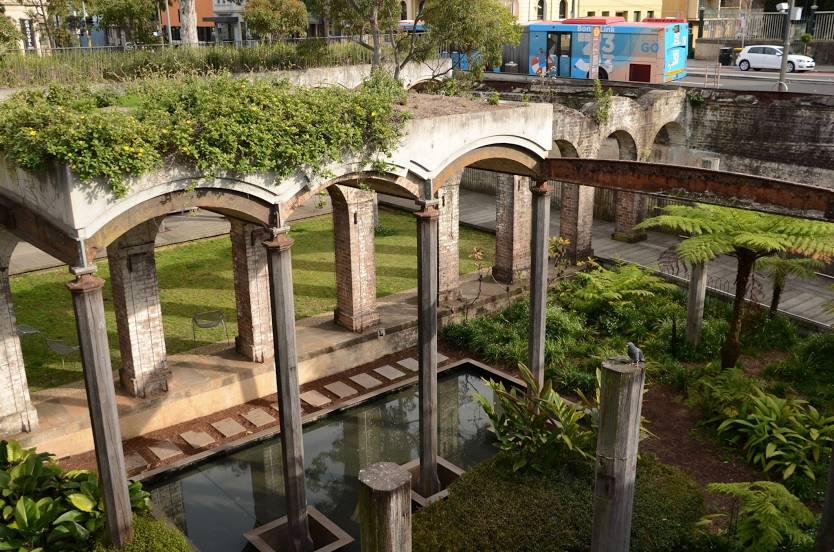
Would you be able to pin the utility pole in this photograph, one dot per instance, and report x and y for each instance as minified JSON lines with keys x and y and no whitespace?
{"x":786,"y":45}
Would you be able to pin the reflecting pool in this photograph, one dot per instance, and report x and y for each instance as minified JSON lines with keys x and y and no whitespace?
{"x":215,"y":503}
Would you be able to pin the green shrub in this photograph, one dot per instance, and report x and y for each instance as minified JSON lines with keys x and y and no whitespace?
{"x":764,"y":333}
{"x":722,"y":394}
{"x":151,"y":535}
{"x":770,"y":517}
{"x":810,"y":369}
{"x":43,"y":507}
{"x":602,"y":289}
{"x":492,"y":508}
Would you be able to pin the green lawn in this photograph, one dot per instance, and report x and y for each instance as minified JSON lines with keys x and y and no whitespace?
{"x":198,"y":276}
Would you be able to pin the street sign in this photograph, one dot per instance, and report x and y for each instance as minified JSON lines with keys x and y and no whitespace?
{"x":28,"y":34}
{"x":593,"y":72}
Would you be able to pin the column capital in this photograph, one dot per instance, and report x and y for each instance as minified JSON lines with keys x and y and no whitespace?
{"x":280,"y":239}
{"x":428,"y":209}
{"x":540,"y":187}
{"x":85,"y":283}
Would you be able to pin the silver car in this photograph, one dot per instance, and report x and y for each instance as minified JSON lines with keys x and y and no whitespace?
{"x":770,"y":57}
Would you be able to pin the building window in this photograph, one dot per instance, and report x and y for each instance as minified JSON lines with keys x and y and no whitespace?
{"x":540,"y":10}
{"x":606,"y":13}
{"x":650,"y":14}
{"x":623,"y":14}
{"x":591,"y":13}
{"x":637,"y":16}
{"x":403,"y":11}
{"x":563,"y":9}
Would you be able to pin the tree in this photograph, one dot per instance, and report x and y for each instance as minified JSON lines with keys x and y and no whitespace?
{"x":9,"y":35}
{"x":53,"y":19}
{"x":188,"y":22}
{"x":134,"y":17}
{"x":748,"y":236}
{"x":779,"y":267}
{"x":276,"y":18}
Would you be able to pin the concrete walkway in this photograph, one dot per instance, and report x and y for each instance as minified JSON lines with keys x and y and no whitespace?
{"x":803,"y":299}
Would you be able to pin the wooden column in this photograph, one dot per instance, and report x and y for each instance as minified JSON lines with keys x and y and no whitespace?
{"x":385,"y":508}
{"x":429,"y":482}
{"x":825,"y":536}
{"x":286,"y":368}
{"x":101,"y":400}
{"x":539,"y":234}
{"x":616,"y":465}
{"x":695,"y":303}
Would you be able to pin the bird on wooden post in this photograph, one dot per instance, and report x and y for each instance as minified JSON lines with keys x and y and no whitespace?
{"x":635,"y":354}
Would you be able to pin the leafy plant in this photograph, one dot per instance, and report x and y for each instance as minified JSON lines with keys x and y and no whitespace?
{"x":769,"y":517}
{"x":602,"y":102}
{"x":787,"y":435}
{"x":746,"y":235}
{"x":780,"y":267}
{"x":44,"y":508}
{"x":493,"y":98}
{"x":695,"y":97}
{"x":601,"y":288}
{"x":537,"y":426}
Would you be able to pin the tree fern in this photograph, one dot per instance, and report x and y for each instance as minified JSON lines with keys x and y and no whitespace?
{"x":747,"y":236}
{"x":770,"y":516}
{"x":779,"y":267}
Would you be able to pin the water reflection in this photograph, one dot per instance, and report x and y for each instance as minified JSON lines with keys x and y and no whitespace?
{"x":214,"y":504}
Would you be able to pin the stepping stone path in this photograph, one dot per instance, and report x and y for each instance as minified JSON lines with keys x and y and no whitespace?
{"x":197,"y":439}
{"x":228,"y":427}
{"x":340,"y":389}
{"x":259,"y":417}
{"x":365,"y":380}
{"x":389,"y":372}
{"x":165,"y":450}
{"x":409,"y":364}
{"x":134,"y":461}
{"x":314,"y":398}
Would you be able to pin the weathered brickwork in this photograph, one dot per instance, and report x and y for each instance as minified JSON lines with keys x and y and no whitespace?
{"x":251,"y":276}
{"x":512,"y":228}
{"x":448,"y":234}
{"x":353,"y":233}
{"x":575,"y":220}
{"x":16,"y":411}
{"x":138,"y":311}
{"x":629,"y":210}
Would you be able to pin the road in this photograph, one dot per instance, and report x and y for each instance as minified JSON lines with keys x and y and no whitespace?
{"x":820,"y":81}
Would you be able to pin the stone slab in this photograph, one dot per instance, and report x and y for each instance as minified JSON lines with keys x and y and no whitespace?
{"x":340,"y":389}
{"x":366,"y":381}
{"x":165,"y":450}
{"x":228,"y":427}
{"x":259,"y":417}
{"x":389,"y":372}
{"x":409,"y":363}
{"x":314,"y":398}
{"x":134,"y":461}
{"x":197,"y":439}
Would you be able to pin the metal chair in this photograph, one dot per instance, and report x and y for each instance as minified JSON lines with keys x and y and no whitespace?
{"x":24,"y":330}
{"x":62,"y":349}
{"x":208,"y":319}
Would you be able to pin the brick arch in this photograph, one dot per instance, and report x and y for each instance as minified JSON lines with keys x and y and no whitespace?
{"x":671,"y":133}
{"x":563,"y":148}
{"x":668,"y":144}
{"x":626,"y":144}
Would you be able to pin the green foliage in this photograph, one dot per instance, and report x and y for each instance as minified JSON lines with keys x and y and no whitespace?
{"x":806,"y":38}
{"x":784,"y":435}
{"x":695,"y":97}
{"x":43,"y":507}
{"x":493,"y":509}
{"x":217,"y":124}
{"x":770,"y":516}
{"x":493,"y":98}
{"x":764,"y":333}
{"x":151,"y":535}
{"x":276,"y":18}
{"x":136,"y":17}
{"x":536,"y":427}
{"x":602,"y":289}
{"x":721,"y":395}
{"x":9,"y":35}
{"x":602,"y":101}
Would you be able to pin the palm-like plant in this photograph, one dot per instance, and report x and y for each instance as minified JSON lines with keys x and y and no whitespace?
{"x":779,"y":267}
{"x":748,"y":236}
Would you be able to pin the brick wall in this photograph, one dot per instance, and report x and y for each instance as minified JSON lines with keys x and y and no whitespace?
{"x":251,"y":276}
{"x":448,"y":234}
{"x":513,"y":202}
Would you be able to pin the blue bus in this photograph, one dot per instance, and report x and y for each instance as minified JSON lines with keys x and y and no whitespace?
{"x":652,"y":50}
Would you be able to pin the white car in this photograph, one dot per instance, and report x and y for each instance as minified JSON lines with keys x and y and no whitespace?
{"x":770,"y":57}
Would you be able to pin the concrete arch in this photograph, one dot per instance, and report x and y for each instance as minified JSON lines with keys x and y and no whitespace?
{"x":502,"y":158}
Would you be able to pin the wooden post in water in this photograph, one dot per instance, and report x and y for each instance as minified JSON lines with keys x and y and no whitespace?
{"x":825,"y":537}
{"x":619,"y":434}
{"x":385,"y":508}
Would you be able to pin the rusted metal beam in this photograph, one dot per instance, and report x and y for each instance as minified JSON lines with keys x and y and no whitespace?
{"x":30,"y":226}
{"x":743,"y":191}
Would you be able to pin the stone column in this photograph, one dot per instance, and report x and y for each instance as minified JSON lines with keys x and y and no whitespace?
{"x":138,"y":311}
{"x":448,"y":235}
{"x":286,"y":367}
{"x":16,"y":411}
{"x":695,"y":303}
{"x":576,"y":220}
{"x":353,"y":234}
{"x":512,"y":228}
{"x":101,"y":399}
{"x":429,"y":483}
{"x":621,"y":399}
{"x":251,"y":275}
{"x":629,"y":210}
{"x":539,"y":237}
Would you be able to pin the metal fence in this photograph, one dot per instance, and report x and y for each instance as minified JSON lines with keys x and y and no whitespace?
{"x":767,"y":26}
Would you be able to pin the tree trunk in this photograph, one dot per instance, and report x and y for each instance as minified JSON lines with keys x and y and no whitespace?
{"x":188,"y":22}
{"x":376,"y":61}
{"x":774,"y":302}
{"x":731,"y":349}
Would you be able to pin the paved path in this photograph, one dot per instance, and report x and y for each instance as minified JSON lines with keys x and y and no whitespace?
{"x":801,"y":298}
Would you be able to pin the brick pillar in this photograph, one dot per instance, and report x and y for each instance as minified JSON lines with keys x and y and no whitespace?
{"x":16,"y":411}
{"x":353,"y":234}
{"x":135,"y":289}
{"x":448,"y":234}
{"x":251,"y":276}
{"x":512,"y":228}
{"x":629,"y":210}
{"x":576,"y":220}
